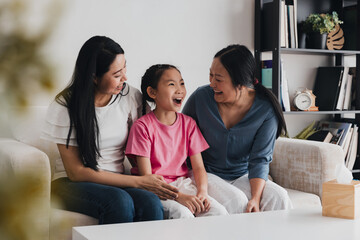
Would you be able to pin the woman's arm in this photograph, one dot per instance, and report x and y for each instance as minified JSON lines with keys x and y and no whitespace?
{"x":200,"y":180}
{"x":260,"y":158}
{"x":77,"y":172}
{"x":257,"y":187}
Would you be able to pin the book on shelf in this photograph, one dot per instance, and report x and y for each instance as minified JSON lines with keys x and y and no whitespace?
{"x":347,"y":139}
{"x":283,"y":19}
{"x":291,"y":22}
{"x":348,"y":92}
{"x":352,"y":151}
{"x":347,"y":89}
{"x":352,"y":100}
{"x":339,"y":130}
{"x":266,"y":73}
{"x":288,"y":24}
{"x":342,"y":89}
{"x":285,"y":98}
{"x":295,"y":24}
{"x":327,"y":86}
{"x":337,"y":135}
{"x":321,"y":136}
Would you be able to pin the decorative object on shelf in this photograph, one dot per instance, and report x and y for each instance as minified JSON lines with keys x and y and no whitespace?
{"x":317,"y":26}
{"x":305,"y":101}
{"x":335,"y":39}
{"x":307,"y":131}
{"x":315,"y":40}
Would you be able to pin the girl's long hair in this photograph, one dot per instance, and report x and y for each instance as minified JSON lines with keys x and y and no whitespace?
{"x":241,"y":66}
{"x":93,"y":61}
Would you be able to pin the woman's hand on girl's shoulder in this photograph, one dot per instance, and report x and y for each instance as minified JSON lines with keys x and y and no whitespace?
{"x":157,"y":184}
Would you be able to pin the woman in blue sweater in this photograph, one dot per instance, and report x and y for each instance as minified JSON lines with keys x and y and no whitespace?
{"x":240,"y":119}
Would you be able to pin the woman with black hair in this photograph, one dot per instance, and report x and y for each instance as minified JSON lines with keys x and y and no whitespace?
{"x":240,"y":119}
{"x":89,"y":121}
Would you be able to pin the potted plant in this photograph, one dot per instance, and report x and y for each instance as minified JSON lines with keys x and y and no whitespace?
{"x":317,"y":26}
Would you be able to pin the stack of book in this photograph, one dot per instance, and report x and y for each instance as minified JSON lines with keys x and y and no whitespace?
{"x":289,"y":33}
{"x":288,"y":21}
{"x":334,"y":88}
{"x":341,"y":133}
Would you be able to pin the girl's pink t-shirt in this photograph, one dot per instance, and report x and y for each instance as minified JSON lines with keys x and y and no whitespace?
{"x":166,"y":146}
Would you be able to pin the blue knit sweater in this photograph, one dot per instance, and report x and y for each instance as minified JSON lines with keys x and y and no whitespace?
{"x":245,"y":148}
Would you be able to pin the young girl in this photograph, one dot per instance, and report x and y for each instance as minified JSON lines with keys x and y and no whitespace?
{"x":163,"y":139}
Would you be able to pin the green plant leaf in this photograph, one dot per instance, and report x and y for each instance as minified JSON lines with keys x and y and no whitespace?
{"x":321,"y":22}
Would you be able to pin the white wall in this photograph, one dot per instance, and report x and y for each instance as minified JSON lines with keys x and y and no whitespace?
{"x":185,"y":33}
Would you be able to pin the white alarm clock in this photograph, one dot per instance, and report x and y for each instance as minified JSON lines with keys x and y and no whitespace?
{"x":303,"y":100}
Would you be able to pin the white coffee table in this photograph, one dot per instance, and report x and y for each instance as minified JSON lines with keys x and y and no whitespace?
{"x":304,"y":224}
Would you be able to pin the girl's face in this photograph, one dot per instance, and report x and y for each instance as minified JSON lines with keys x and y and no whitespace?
{"x":220,"y":82}
{"x":113,"y":80}
{"x":170,"y":91}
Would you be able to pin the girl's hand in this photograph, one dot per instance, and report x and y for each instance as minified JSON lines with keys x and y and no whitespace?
{"x":157,"y":184}
{"x":204,"y":198}
{"x":253,"y":206}
{"x":193,"y":203}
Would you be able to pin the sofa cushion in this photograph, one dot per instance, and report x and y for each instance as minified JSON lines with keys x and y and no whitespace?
{"x":303,"y":199}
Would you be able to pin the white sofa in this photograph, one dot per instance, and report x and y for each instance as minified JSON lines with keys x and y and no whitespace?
{"x":299,"y":166}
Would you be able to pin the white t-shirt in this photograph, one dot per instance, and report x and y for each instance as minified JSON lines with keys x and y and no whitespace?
{"x":114,"y":121}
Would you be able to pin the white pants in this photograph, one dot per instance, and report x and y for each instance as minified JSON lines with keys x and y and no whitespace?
{"x":173,"y":209}
{"x":234,"y":195}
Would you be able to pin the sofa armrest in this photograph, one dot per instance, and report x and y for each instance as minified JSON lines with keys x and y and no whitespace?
{"x":22,"y":167}
{"x":20,"y":158}
{"x":304,"y":165}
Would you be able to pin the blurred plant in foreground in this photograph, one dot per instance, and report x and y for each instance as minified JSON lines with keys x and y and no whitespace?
{"x":23,"y":207}
{"x":24,"y":70}
{"x":24,"y":73}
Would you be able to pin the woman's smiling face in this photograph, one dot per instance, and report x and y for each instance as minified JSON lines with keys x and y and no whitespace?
{"x":220,"y":82}
{"x":113,"y":80}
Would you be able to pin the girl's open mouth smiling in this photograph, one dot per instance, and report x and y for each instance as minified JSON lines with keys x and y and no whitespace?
{"x":178,"y":100}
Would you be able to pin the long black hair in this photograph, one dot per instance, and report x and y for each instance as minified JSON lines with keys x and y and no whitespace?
{"x":93,"y":61}
{"x":151,"y":79}
{"x":241,"y":66}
